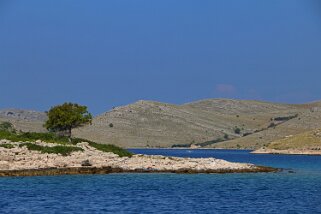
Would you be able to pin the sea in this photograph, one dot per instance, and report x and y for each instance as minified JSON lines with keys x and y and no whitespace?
{"x":295,"y":189}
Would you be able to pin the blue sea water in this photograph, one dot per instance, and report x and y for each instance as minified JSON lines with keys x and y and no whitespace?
{"x":283,"y":192}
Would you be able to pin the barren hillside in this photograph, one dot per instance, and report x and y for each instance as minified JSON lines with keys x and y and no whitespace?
{"x":308,"y":118}
{"x":202,"y":123}
{"x":310,"y":140}
{"x":216,"y":123}
{"x":24,"y":120}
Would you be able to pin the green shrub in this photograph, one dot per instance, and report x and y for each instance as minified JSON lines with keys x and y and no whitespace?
{"x":7,"y":126}
{"x":63,"y":150}
{"x":111,"y":148}
{"x":226,"y":137}
{"x":52,"y":138}
{"x":237,"y":130}
{"x":286,"y":118}
{"x":47,"y":137}
{"x":31,"y":136}
{"x":207,"y":143}
{"x":182,"y":145}
{"x":272,"y":125}
{"x":104,"y":147}
{"x":7,"y":146}
{"x":247,"y":133}
{"x":8,"y":136}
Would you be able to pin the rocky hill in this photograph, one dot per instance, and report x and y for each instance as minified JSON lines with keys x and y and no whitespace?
{"x":237,"y":123}
{"x":215,"y":123}
{"x":308,"y":117}
{"x":24,"y":120}
{"x":310,"y":140}
{"x":308,"y":143}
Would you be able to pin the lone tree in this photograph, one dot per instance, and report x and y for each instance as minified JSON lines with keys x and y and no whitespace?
{"x":63,"y":118}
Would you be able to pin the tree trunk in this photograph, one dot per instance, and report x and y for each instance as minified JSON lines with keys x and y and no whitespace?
{"x":69,"y":134}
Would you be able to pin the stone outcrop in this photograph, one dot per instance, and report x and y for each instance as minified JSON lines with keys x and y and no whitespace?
{"x":21,"y":161}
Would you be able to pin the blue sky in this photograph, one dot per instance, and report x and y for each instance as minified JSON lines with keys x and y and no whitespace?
{"x":113,"y":52}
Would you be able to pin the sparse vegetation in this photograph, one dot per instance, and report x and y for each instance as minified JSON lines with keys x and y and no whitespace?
{"x":237,"y":130}
{"x":7,"y":126}
{"x":7,"y":146}
{"x":247,"y":133}
{"x":111,"y":125}
{"x":207,"y":143}
{"x":181,"y":145}
{"x":272,"y":125}
{"x":63,"y":140}
{"x":285,"y":118}
{"x":111,"y":148}
{"x":305,"y":140}
{"x":30,"y":136}
{"x":104,"y":147}
{"x":63,"y":150}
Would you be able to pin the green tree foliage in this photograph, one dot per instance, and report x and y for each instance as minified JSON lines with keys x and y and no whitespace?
{"x":237,"y":130}
{"x":63,"y":118}
{"x":7,"y":126}
{"x":226,"y":137}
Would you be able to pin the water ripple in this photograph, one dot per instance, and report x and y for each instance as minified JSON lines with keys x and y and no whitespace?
{"x":298,"y":192}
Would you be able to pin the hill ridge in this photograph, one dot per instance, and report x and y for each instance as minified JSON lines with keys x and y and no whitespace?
{"x":219,"y":123}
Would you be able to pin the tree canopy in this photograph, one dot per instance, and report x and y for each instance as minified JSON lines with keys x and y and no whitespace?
{"x":63,"y":118}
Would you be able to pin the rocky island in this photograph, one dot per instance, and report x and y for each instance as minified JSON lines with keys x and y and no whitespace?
{"x":22,"y":159}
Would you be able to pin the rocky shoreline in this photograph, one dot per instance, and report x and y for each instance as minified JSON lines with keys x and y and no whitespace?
{"x":287,"y":151}
{"x":18,"y":160}
{"x":108,"y":170}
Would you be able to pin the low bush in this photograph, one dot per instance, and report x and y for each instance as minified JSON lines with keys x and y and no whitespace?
{"x":207,"y":143}
{"x":111,"y":148}
{"x":247,"y":133}
{"x":237,"y":130}
{"x":52,"y":138}
{"x":181,"y":145}
{"x":285,"y":118}
{"x":31,"y":136}
{"x":7,"y":126}
{"x":7,"y":146}
{"x":104,"y":147}
{"x":47,"y":137}
{"x":63,"y":150}
{"x":272,"y":125}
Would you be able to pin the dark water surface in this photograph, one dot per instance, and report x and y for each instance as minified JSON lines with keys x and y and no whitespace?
{"x":283,"y":192}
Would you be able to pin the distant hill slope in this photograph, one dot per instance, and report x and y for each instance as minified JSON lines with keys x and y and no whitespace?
{"x":155,"y":124}
{"x":216,"y":123}
{"x":308,"y":118}
{"x":24,"y":120}
{"x":307,"y":143}
{"x":310,"y":140}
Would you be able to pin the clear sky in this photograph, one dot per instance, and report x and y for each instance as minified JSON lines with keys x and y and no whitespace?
{"x":113,"y":52}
